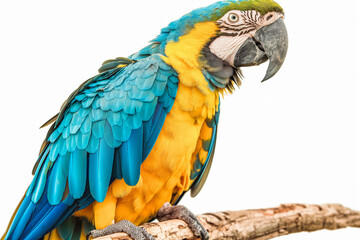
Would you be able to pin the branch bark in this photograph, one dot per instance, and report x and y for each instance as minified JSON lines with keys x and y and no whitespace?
{"x":259,"y":224}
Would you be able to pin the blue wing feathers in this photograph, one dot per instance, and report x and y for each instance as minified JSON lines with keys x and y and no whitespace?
{"x":93,"y":144}
{"x":121,"y":132}
{"x":96,"y":103}
{"x":87,"y":103}
{"x":103,"y":132}
{"x":117,"y":172}
{"x":82,"y":140}
{"x":62,"y":149}
{"x":20,"y":226}
{"x":133,"y":121}
{"x":98,"y":128}
{"x":147,"y":110}
{"x":55,"y":135}
{"x":97,"y":114}
{"x":100,"y":169}
{"x":153,"y":129}
{"x":83,"y":112}
{"x":114,"y":118}
{"x":65,"y":229}
{"x":45,"y":224}
{"x":70,"y":143}
{"x":71,"y":228}
{"x":132,"y":106}
{"x":20,"y":213}
{"x":57,"y":179}
{"x":66,"y":132}
{"x":67,"y":120}
{"x":208,"y":145}
{"x":109,"y":136}
{"x":77,"y":173}
{"x":42,"y":159}
{"x":41,"y":182}
{"x":159,"y":88}
{"x":131,"y":155}
{"x":76,"y":122}
{"x":75,"y":107}
{"x":85,"y":127}
{"x":41,"y":211}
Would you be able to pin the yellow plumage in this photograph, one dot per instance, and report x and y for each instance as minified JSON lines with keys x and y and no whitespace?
{"x":165,"y":174}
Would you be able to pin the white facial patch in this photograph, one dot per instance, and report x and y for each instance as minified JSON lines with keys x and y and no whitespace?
{"x":226,"y":47}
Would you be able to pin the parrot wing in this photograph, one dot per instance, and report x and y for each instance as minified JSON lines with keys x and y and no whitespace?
{"x":202,"y":157}
{"x":104,"y":132}
{"x":207,"y":145}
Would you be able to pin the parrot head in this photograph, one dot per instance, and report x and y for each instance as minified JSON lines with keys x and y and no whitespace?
{"x":231,"y":34}
{"x":250,"y":33}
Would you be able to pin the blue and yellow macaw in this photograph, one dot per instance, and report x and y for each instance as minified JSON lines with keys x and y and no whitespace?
{"x":142,"y":132}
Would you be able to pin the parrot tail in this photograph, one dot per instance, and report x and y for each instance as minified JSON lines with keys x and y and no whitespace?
{"x":72,"y":228}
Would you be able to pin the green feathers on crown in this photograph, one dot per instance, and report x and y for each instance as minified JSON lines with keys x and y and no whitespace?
{"x":262,"y":6}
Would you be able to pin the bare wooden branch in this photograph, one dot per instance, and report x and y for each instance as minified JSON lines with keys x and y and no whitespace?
{"x":259,"y":224}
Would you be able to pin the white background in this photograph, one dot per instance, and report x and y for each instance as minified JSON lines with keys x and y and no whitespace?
{"x":294,"y":138}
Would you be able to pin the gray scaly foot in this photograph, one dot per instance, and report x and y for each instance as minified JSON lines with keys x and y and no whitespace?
{"x":135,"y":232}
{"x":168,"y":212}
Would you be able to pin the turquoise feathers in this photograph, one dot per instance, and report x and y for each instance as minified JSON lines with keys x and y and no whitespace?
{"x":101,"y":118}
{"x":104,"y":131}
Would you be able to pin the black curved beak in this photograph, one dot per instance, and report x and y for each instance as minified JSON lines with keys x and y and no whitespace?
{"x":269,"y":43}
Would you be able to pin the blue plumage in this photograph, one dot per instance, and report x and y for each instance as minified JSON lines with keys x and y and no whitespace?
{"x":20,"y":213}
{"x":117,"y":172}
{"x":87,"y":103}
{"x":23,"y":221}
{"x":77,"y":173}
{"x":40,"y":162}
{"x":57,"y":179}
{"x":104,"y":132}
{"x":108,"y":135}
{"x":82,"y":140}
{"x":70,"y":143}
{"x":44,"y":223}
{"x":131,"y":156}
{"x":153,"y":127}
{"x":100,"y":170}
{"x":66,"y":229}
{"x":41,"y":182}
{"x":85,"y":127}
{"x":98,"y":128}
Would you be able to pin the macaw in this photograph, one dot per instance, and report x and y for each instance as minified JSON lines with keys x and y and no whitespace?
{"x":141,"y":133}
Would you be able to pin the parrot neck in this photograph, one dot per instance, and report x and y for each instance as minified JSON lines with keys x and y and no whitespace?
{"x":197,"y":66}
{"x":184,"y":56}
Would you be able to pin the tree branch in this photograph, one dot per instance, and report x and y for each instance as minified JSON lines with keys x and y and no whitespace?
{"x":259,"y":224}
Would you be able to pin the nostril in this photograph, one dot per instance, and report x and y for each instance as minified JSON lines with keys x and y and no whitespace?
{"x":258,"y":44}
{"x":269,"y":17}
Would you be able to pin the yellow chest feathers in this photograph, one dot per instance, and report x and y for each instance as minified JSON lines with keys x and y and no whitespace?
{"x":194,"y":95}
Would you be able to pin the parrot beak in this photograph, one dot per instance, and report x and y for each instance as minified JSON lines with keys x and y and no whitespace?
{"x":270,"y":42}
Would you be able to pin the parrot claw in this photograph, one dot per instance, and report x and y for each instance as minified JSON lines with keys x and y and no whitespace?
{"x":135,"y":232}
{"x":168,"y":212}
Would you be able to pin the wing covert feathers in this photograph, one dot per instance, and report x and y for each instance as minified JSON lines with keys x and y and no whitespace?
{"x":103,"y":132}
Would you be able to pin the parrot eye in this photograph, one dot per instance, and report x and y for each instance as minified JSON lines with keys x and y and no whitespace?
{"x":233,"y":18}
